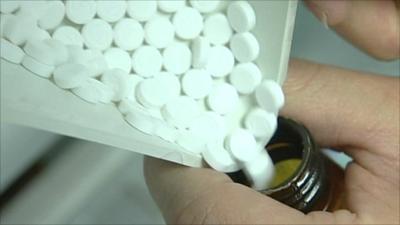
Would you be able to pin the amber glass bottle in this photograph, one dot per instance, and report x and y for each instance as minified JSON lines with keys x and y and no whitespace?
{"x":305,"y":179}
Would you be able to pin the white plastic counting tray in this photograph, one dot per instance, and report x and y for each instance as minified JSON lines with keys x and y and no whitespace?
{"x":29,"y":100}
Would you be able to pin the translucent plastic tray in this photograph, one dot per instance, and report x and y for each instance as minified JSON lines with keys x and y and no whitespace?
{"x":29,"y":100}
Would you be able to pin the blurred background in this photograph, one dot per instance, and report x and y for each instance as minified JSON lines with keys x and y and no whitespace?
{"x":50,"y":179}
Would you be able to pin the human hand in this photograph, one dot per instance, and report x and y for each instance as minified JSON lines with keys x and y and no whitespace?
{"x":355,"y":112}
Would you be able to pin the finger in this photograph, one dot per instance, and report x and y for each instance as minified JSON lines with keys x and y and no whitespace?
{"x":346,"y":109}
{"x":373,"y":26}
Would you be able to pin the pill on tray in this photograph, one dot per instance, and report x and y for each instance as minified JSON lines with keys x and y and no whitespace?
{"x":245,"y":47}
{"x":177,"y":58}
{"x":159,"y":32}
{"x":141,"y":121}
{"x":36,"y":67}
{"x":260,"y":123}
{"x":220,"y":62}
{"x":241,"y":16}
{"x":188,"y":23}
{"x":41,"y":51}
{"x":219,"y":158}
{"x":9,"y":6}
{"x":40,"y":34}
{"x":34,"y":8}
{"x":217,"y":29}
{"x":181,"y":111}
{"x":117,"y":58}
{"x":270,"y":96}
{"x":242,"y":144}
{"x":223,"y":98}
{"x":60,"y":52}
{"x":208,"y":127}
{"x":68,"y":35}
{"x":200,"y":52}
{"x":170,"y":6}
{"x":94,"y":91}
{"x":97,"y":34}
{"x":147,"y":61}
{"x":190,"y":142}
{"x":11,"y":52}
{"x":205,"y":6}
{"x":142,"y":10}
{"x":111,"y":11}
{"x":197,"y":83}
{"x":128,"y":34}
{"x":95,"y":62}
{"x":156,"y":92}
{"x":70,"y":75}
{"x":245,"y":77}
{"x":166,"y":132}
{"x":12,"y":29}
{"x":117,"y":80}
{"x":80,"y":11}
{"x":53,"y":15}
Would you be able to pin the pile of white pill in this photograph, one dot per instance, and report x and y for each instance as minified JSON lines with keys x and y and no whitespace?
{"x":182,"y":70}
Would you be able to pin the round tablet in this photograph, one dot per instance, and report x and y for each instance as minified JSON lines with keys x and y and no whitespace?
{"x":188,"y":23}
{"x":12,"y":28}
{"x":40,"y":51}
{"x":40,"y":34}
{"x":94,"y":91}
{"x":11,"y":52}
{"x":60,"y":52}
{"x":70,"y":75}
{"x":117,"y":80}
{"x":245,"y":77}
{"x":111,"y":11}
{"x":197,"y":83}
{"x":95,"y":62}
{"x":156,"y":92}
{"x":35,"y":9}
{"x":270,"y":96}
{"x":170,"y":6}
{"x":117,"y":58}
{"x":241,"y":16}
{"x":200,"y":51}
{"x":53,"y":16}
{"x":242,"y":145}
{"x":142,"y":10}
{"x":260,"y":123}
{"x":128,"y":34}
{"x":219,"y":158}
{"x":190,"y":142}
{"x":147,"y":61}
{"x":220,"y":62}
{"x":177,"y":58}
{"x":223,"y":98}
{"x":37,"y":67}
{"x":97,"y":34}
{"x":68,"y":35}
{"x":245,"y":47}
{"x":80,"y":11}
{"x":205,"y":6}
{"x":208,"y":127}
{"x":181,"y":111}
{"x":217,"y":29}
{"x":159,"y":32}
{"x":9,"y":6}
{"x":141,"y":120}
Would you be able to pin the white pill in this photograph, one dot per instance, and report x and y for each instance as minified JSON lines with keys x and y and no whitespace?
{"x":206,"y":6}
{"x":126,"y":106}
{"x":219,"y":158}
{"x":217,"y":29}
{"x":142,"y":10}
{"x":181,"y":111}
{"x":177,"y":58}
{"x":70,"y":75}
{"x":220,"y":62}
{"x":166,"y":132}
{"x":200,"y":51}
{"x":260,"y":123}
{"x":3,"y":21}
{"x":94,"y":91}
{"x":92,"y":59}
{"x":242,"y":145}
{"x":188,"y":23}
{"x":133,"y":83}
{"x":141,"y":120}
{"x":68,"y":35}
{"x":97,"y":34}
{"x":111,"y":11}
{"x":40,"y":34}
{"x":13,"y":28}
{"x":37,"y":67}
{"x":147,"y":61}
{"x":80,"y":11}
{"x":117,"y":80}
{"x":9,"y":6}
{"x":260,"y":171}
{"x":159,"y":32}
{"x":245,"y":77}
{"x":270,"y":96}
{"x":60,"y":52}
{"x":208,"y":127}
{"x":241,"y":16}
{"x":34,"y":8}
{"x":197,"y":83}
{"x":170,"y":6}
{"x":245,"y":47}
{"x":41,"y":51}
{"x":223,"y":98}
{"x":117,"y":58}
{"x":128,"y":34}
{"x":11,"y":52}
{"x":190,"y":142}
{"x":53,"y":16}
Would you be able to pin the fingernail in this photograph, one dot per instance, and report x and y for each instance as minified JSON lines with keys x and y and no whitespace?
{"x":330,"y":12}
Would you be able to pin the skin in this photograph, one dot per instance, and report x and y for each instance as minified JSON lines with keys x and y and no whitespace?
{"x":355,"y":112}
